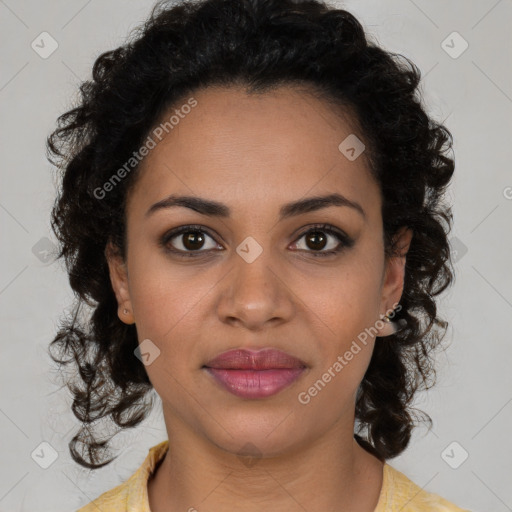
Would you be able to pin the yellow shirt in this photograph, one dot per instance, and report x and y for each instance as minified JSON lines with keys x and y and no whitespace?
{"x":398,"y":494}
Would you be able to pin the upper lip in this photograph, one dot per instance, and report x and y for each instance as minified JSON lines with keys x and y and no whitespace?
{"x":265,"y":359}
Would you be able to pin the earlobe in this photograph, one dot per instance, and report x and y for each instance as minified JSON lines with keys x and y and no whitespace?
{"x":119,"y":281}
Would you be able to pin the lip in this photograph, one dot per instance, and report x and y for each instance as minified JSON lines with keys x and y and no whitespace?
{"x":255,"y":374}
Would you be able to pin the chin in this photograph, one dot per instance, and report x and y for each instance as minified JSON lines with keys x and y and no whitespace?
{"x":256,"y":435}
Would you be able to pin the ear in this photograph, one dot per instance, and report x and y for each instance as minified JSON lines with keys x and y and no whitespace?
{"x":393,"y":281}
{"x":119,"y":280}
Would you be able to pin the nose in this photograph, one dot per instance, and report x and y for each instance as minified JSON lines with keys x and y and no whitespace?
{"x":256,"y":294}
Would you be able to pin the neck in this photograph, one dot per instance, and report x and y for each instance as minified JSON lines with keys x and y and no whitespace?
{"x":333,"y":473}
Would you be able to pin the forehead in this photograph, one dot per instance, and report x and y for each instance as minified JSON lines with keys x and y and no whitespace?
{"x":268,"y":147}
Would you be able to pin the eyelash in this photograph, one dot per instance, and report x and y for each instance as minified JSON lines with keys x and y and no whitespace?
{"x":345,"y":240}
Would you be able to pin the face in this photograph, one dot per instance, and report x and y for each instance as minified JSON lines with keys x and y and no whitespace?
{"x":254,"y":273}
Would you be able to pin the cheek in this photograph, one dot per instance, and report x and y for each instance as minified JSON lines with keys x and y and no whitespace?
{"x":349,"y":301}
{"x":160,"y":295}
{"x":169,"y":301}
{"x":164,"y":313}
{"x":345,"y":356}
{"x":348,"y":308}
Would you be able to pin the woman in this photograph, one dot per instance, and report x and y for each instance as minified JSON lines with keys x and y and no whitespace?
{"x":251,"y":206}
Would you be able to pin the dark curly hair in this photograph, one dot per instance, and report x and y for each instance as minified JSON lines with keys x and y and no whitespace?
{"x":260,"y":44}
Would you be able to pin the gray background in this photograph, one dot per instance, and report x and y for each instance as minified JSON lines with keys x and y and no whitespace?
{"x":471,"y":404}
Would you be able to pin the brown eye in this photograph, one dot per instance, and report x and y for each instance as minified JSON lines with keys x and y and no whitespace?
{"x":324,"y":240}
{"x":193,"y":240}
{"x":316,"y":240}
{"x":187,"y":240}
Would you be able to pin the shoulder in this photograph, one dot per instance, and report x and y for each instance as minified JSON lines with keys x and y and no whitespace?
{"x":114,"y":499}
{"x":132,"y":494}
{"x":399,"y":493}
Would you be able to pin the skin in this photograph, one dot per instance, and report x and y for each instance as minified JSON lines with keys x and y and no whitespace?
{"x":255,"y":153}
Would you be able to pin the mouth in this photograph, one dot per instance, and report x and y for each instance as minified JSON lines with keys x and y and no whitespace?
{"x":255,"y":374}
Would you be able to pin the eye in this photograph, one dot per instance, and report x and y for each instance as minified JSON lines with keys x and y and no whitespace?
{"x":189,"y":240}
{"x":317,"y":239}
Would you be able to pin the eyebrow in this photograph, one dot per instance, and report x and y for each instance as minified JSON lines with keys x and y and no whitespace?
{"x":216,"y":209}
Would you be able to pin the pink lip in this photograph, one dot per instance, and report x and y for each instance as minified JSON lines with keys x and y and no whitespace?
{"x":251,"y":374}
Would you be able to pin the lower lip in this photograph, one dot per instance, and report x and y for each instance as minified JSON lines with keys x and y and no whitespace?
{"x":255,"y":383}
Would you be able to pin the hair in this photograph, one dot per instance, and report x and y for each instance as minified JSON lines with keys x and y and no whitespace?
{"x":260,"y":44}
